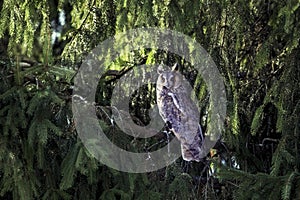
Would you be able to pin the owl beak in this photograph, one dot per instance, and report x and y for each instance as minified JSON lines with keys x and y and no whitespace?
{"x":167,"y":85}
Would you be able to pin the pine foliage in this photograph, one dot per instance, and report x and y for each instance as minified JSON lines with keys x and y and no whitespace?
{"x":255,"y":44}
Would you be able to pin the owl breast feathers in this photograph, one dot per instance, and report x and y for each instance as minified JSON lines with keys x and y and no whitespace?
{"x":178,"y":110}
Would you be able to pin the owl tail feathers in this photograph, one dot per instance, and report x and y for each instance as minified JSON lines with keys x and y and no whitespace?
{"x":191,"y":153}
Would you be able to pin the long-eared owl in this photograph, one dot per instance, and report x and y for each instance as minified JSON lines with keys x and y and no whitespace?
{"x":177,"y":109}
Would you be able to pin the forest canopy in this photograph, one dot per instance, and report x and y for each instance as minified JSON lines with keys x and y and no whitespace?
{"x":255,"y":46}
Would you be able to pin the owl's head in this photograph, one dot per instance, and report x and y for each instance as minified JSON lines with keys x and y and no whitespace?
{"x":169,"y":79}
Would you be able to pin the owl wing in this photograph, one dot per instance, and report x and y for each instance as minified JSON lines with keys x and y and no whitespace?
{"x":191,"y":149}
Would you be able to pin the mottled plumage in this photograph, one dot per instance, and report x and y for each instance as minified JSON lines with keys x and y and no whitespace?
{"x":177,"y":109}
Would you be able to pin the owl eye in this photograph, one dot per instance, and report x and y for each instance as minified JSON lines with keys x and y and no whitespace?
{"x":172,"y":78}
{"x":162,"y":79}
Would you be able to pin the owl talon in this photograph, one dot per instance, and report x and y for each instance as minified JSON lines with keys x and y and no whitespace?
{"x":186,"y":166}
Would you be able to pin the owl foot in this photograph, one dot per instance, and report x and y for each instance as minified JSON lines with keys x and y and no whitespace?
{"x":186,"y":165}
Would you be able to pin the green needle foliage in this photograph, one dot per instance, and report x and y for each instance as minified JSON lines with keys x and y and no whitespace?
{"x":255,"y":45}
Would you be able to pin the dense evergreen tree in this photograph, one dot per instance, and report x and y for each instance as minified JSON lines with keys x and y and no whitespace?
{"x":255,"y":44}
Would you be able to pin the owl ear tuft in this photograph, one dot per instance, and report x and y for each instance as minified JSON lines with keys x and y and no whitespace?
{"x":160,"y":69}
{"x":175,"y":67}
